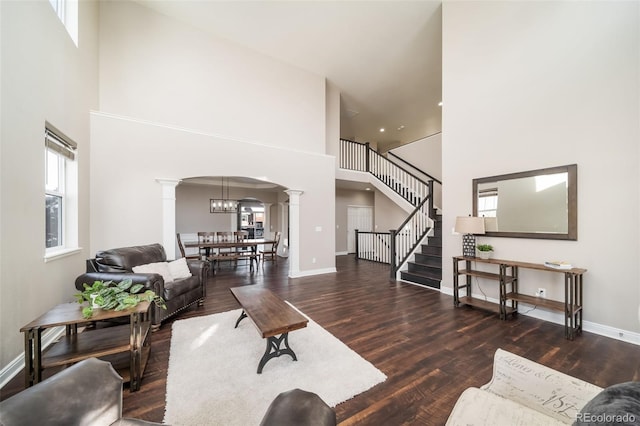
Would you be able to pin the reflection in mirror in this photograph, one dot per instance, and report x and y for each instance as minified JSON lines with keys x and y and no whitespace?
{"x":534,"y":204}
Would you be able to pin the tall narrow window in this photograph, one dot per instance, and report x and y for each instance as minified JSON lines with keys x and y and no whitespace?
{"x":67,"y":11}
{"x":60,"y":188}
{"x":58,"y":6}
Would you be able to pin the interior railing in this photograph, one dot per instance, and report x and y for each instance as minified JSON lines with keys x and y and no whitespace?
{"x":360,"y":157}
{"x":416,"y":168}
{"x":373,"y":246}
{"x":401,"y":242}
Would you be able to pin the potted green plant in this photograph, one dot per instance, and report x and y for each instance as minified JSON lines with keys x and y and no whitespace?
{"x":111,"y":296}
{"x":484,"y":251}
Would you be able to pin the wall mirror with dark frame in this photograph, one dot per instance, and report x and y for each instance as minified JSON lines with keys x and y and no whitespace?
{"x":533,"y":204}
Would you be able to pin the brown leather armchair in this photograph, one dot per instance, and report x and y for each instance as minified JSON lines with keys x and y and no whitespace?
{"x":299,"y":408}
{"x":117,"y":264}
{"x":87,"y":393}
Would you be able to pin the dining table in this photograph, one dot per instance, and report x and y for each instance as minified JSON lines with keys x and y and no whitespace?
{"x":250,"y":244}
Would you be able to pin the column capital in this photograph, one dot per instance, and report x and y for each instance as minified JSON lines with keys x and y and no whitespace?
{"x":294,"y":196}
{"x":168,"y":182}
{"x":294,"y":192}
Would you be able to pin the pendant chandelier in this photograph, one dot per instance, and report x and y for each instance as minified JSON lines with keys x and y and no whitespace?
{"x":223,"y":204}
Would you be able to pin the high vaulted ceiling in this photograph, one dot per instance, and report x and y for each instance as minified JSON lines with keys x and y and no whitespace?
{"x":385,"y":57}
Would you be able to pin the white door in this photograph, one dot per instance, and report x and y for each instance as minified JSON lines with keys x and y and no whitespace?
{"x":360,"y":218}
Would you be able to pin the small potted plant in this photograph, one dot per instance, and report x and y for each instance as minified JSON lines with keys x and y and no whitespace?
{"x":111,"y":296}
{"x":484,"y":251}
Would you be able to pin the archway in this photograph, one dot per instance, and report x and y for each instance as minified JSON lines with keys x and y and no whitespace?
{"x":187,"y":209}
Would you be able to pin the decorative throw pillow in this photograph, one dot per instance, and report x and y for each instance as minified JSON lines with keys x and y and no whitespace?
{"x":161,"y":268}
{"x":616,"y":405}
{"x":179,"y":269}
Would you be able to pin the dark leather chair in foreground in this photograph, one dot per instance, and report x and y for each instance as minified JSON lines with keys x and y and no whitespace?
{"x":298,"y":408}
{"x":87,"y":393}
{"x":117,"y":264}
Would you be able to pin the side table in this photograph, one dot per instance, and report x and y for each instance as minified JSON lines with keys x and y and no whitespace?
{"x":126,"y":346}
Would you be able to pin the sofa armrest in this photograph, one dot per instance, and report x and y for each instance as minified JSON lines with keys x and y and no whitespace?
{"x":199,"y":268}
{"x":196,"y":265}
{"x":538,"y":387}
{"x":478,"y":407}
{"x":89,"y":392}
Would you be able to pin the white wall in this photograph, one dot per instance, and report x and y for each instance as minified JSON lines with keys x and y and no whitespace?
{"x":344,"y":199}
{"x":202,"y":106}
{"x":530,"y":85}
{"x":388,"y":215}
{"x":193,"y":214}
{"x":425,"y":154}
{"x":127,"y":157}
{"x":155,"y":68}
{"x":44,"y":76}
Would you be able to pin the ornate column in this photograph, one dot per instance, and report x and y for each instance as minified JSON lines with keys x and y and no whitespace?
{"x":294,"y":232}
{"x":169,"y":215}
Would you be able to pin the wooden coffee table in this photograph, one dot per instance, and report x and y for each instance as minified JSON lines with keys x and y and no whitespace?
{"x":273,"y":318}
{"x":126,"y":346}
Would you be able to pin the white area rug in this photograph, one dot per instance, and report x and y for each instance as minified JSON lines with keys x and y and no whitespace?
{"x":212,"y":378}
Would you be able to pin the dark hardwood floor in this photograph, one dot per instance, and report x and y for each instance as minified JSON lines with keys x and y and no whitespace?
{"x":430,"y":351}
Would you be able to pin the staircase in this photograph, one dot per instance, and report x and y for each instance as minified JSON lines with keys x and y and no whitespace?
{"x":417,"y":197}
{"x":426,"y":267}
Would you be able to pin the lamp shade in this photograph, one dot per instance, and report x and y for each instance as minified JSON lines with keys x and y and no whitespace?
{"x":469,"y":225}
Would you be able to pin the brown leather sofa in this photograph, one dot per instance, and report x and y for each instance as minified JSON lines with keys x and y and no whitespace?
{"x":87,"y":393}
{"x":117,"y":264}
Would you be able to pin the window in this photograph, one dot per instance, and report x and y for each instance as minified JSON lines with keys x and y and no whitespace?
{"x":60,"y":192}
{"x":58,"y":6}
{"x":488,"y":202}
{"x":67,"y":11}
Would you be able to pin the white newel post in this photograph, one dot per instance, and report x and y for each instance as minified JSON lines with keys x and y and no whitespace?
{"x":294,"y":232}
{"x":169,"y":216}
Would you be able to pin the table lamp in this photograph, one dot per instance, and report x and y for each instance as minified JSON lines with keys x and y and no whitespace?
{"x":468,"y":226}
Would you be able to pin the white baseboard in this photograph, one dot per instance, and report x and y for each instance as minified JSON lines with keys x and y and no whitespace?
{"x":312,"y":272}
{"x":342,"y":253}
{"x":558,"y":318}
{"x":14,"y":367}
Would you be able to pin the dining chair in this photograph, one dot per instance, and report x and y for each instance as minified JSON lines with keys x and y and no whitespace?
{"x":206,"y":238}
{"x":272,"y":254}
{"x":191,"y":255}
{"x":240,"y":236}
{"x":225,"y":237}
{"x":244,"y":252}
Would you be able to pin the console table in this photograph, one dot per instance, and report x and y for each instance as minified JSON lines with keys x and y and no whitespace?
{"x":507,"y":279}
{"x":126,"y":346}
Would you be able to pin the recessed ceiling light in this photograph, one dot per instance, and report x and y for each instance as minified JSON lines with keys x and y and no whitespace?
{"x":401,"y":127}
{"x":368,"y":189}
{"x":440,"y":103}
